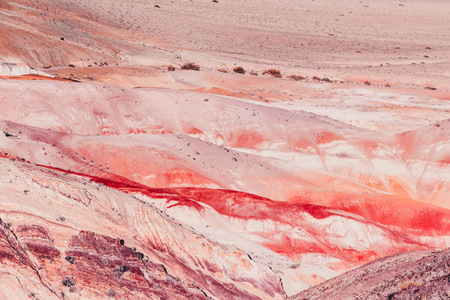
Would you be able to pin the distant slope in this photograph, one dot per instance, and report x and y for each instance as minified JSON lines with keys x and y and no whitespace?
{"x":62,"y":234}
{"x":298,"y":152}
{"x":409,"y":275}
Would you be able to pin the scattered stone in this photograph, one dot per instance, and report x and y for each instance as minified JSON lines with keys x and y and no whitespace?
{"x":119,"y":270}
{"x":70,"y":259}
{"x":69,"y":281}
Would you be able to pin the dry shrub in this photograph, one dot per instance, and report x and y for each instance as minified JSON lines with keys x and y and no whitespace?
{"x":170,"y":68}
{"x":191,"y":66}
{"x":273,"y":72}
{"x":253,"y":73}
{"x":407,"y":285}
{"x":296,"y":77}
{"x":316,"y":78}
{"x":239,"y":70}
{"x":222,"y":70}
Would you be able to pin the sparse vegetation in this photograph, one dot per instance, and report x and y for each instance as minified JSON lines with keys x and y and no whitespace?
{"x":296,"y":77}
{"x":253,"y":73}
{"x":170,"y":68}
{"x":191,"y":66}
{"x":430,"y":88}
{"x":316,"y":78}
{"x":367,"y":82}
{"x":222,"y":70}
{"x":239,"y":70}
{"x":273,"y":72}
{"x":407,"y":285}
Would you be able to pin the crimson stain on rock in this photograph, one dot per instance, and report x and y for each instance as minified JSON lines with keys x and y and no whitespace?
{"x":327,"y":137}
{"x":104,"y":264}
{"x":37,"y":240}
{"x":246,"y":139}
{"x":188,"y":203}
{"x":415,"y":216}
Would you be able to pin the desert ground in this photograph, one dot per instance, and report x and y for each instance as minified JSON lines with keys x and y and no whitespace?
{"x":308,"y":152}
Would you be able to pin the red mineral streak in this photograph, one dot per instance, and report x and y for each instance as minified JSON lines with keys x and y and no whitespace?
{"x":137,"y":131}
{"x":327,"y":137}
{"x":36,"y":77}
{"x":414,"y":217}
{"x":250,"y":207}
{"x":220,"y":91}
{"x":301,"y":144}
{"x":180,"y":177}
{"x":246,"y":139}
{"x":246,"y":206}
{"x":193,"y":131}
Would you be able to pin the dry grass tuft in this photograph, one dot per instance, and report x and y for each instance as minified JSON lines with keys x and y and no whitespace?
{"x":191,"y":66}
{"x":222,"y":70}
{"x":273,"y":72}
{"x":407,"y":285}
{"x":170,"y":68}
{"x":239,"y":70}
{"x":296,"y":77}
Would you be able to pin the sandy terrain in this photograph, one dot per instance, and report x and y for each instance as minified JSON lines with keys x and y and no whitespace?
{"x":382,"y":40}
{"x":225,"y":185}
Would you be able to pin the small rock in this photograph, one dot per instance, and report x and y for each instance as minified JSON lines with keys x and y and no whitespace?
{"x":111,"y":293}
{"x":70,"y":259}
{"x":69,"y":281}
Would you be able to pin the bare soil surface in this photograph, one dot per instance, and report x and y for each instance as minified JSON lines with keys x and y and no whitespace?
{"x":411,"y":275}
{"x":393,"y":41}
